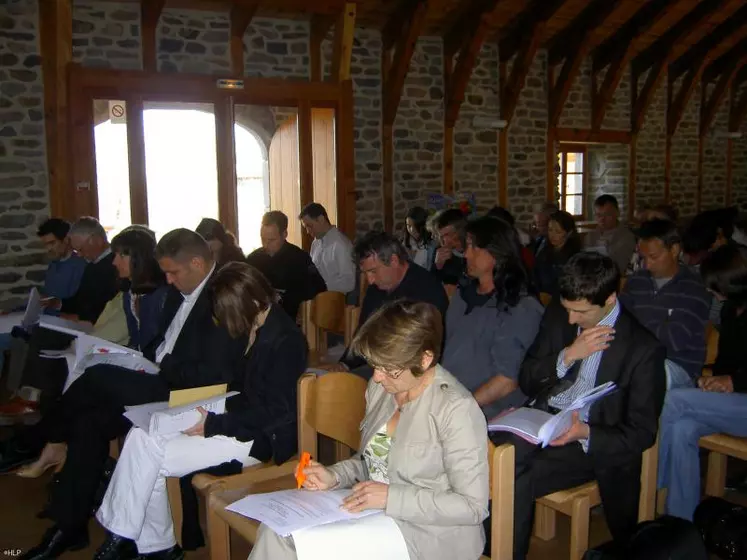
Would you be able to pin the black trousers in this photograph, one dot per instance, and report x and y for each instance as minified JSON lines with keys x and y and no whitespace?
{"x":87,"y":417}
{"x":543,"y":471}
{"x":45,"y":374}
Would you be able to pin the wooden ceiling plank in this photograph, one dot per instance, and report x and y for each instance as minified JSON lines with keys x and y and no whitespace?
{"x":512,"y":89}
{"x":710,"y":105}
{"x":343,"y":47}
{"x":572,"y":45}
{"x":624,"y":38}
{"x":681,"y":98}
{"x":150,"y":13}
{"x":662,"y":47}
{"x":396,"y":25}
{"x":600,"y":100}
{"x":709,"y":43}
{"x":540,"y":11}
{"x":240,"y":17}
{"x":643,"y":100}
{"x":404,"y":47}
{"x":725,"y":62}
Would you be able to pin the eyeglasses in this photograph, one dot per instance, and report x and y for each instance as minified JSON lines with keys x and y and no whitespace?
{"x":392,"y":374}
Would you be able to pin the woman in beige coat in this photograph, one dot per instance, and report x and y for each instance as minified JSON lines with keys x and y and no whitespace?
{"x":423,"y":457}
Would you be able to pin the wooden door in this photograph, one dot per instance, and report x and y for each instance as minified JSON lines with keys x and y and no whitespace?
{"x":285,"y":193}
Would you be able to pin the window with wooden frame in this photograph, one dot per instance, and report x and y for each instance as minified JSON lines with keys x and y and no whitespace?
{"x":572,"y":162}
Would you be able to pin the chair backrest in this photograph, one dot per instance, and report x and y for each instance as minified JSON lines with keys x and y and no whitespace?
{"x":502,"y":467}
{"x":332,"y":405}
{"x":328,"y":312}
{"x":545,"y":298}
{"x":712,"y":336}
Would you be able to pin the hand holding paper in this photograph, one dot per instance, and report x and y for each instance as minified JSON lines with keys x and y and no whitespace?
{"x":367,"y":495}
{"x":199,"y":428}
{"x":578,"y":431}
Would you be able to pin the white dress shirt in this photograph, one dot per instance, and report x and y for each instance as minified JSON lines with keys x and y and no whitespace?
{"x":175,"y":327}
{"x":333,"y":256}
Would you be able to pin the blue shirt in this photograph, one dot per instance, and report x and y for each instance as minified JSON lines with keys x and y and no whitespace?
{"x":63,"y":277}
{"x":587,"y":374}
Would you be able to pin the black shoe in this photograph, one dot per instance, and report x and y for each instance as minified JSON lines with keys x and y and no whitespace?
{"x":13,"y":456}
{"x":173,"y":553}
{"x":56,"y":542}
{"x":116,"y":548}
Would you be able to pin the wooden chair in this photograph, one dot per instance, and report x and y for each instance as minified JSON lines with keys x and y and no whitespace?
{"x":332,"y":405}
{"x":545,"y":298}
{"x":321,"y":315}
{"x":720,"y":447}
{"x":577,"y":503}
{"x":712,"y":337}
{"x":502,"y":466}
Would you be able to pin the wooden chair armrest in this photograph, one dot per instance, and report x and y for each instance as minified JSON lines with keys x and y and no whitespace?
{"x":209,"y":484}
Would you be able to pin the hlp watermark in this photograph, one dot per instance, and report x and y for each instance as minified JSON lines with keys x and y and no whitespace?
{"x":12,"y":552}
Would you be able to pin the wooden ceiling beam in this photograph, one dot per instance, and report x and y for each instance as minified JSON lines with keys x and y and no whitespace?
{"x":701,"y":50}
{"x":725,"y":62}
{"x":710,"y":105}
{"x":572,"y":45}
{"x":240,"y":17}
{"x":617,"y":52}
{"x":343,"y":46}
{"x":473,"y":28}
{"x":396,"y":25}
{"x":511,"y":90}
{"x":318,"y":29}
{"x":396,"y":65}
{"x":538,"y":12}
{"x":663,"y":46}
{"x":681,"y":97}
{"x":150,"y":13}
{"x":737,"y":112}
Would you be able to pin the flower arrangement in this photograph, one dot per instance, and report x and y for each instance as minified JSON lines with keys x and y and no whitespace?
{"x":465,"y":202}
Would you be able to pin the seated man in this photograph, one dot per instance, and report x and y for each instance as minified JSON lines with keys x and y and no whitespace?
{"x":191,"y":350}
{"x":492,"y":321}
{"x":671,"y":301}
{"x":449,"y":264}
{"x":611,"y":238}
{"x":331,"y":251}
{"x":391,"y":276}
{"x":719,"y":404}
{"x":584,"y":341}
{"x":288,"y":268}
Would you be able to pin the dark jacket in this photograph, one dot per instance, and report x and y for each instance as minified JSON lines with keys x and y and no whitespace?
{"x":547,"y":266}
{"x":144,"y":329}
{"x":266,"y":410}
{"x":732,"y":347}
{"x":292,"y":273}
{"x":204,"y":353}
{"x":99,"y":284}
{"x":676,"y":314}
{"x":623,"y":424}
{"x":452,"y":271}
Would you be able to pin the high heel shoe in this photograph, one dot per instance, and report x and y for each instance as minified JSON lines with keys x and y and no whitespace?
{"x":36,"y":469}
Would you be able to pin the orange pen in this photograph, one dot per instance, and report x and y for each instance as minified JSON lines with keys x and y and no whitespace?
{"x":302,"y":464}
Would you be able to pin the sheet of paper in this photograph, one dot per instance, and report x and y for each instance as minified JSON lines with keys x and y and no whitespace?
{"x":287,"y":511}
{"x":524,"y":422}
{"x":375,"y":537}
{"x":33,"y":310}
{"x":159,"y":418}
{"x":10,"y":320}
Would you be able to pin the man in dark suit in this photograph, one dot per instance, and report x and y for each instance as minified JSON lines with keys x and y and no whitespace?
{"x":584,"y":341}
{"x":191,"y":351}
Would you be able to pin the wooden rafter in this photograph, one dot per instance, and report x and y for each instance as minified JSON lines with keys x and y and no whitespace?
{"x":722,"y":64}
{"x":679,"y":98}
{"x":617,"y":52}
{"x":474,"y":27}
{"x":343,"y":46}
{"x":658,"y":55}
{"x":408,"y":20}
{"x":710,"y":104}
{"x":241,"y":15}
{"x":150,"y":12}
{"x":532,"y":23}
{"x":572,"y":45}
{"x":319,"y":27}
{"x":738,"y":105}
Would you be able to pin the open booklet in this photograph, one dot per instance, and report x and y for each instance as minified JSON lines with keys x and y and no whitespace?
{"x":538,"y":426}
{"x":26,"y":318}
{"x":287,"y":511}
{"x":180,"y":412}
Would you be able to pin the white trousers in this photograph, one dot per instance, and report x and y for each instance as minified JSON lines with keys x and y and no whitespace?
{"x":136,"y":505}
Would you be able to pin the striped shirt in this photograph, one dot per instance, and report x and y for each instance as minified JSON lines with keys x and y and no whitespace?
{"x":587,"y":374}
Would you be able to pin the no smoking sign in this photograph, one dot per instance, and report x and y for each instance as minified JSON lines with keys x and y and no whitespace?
{"x":117,"y":112}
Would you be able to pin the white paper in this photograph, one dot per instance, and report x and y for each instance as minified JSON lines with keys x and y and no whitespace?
{"x":287,"y":511}
{"x":158,"y":419}
{"x":376,"y":537}
{"x":33,"y":310}
{"x":10,"y":320}
{"x":67,"y":326}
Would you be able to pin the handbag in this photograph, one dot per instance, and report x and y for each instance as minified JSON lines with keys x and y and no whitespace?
{"x":723,"y":526}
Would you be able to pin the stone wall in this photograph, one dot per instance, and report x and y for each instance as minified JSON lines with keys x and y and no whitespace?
{"x":684,"y":172}
{"x":23,"y":166}
{"x":577,"y":109}
{"x":651,"y":150}
{"x":608,"y":174}
{"x":107,"y":35}
{"x":714,"y":158}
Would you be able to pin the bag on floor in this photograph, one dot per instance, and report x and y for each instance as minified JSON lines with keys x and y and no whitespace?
{"x":666,"y":538}
{"x":724,"y":528}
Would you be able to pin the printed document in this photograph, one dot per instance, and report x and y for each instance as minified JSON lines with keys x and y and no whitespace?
{"x":287,"y":511}
{"x":26,"y":319}
{"x":540,"y":427}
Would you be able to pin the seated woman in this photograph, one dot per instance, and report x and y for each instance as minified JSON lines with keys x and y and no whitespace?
{"x":492,"y":321}
{"x":258,"y":424}
{"x":719,"y":404}
{"x":423,"y":455}
{"x":417,"y":239}
{"x":564,"y":242}
{"x":144,"y":292}
{"x":221,"y":241}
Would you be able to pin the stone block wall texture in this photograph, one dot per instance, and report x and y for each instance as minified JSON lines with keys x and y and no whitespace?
{"x":714,"y":158}
{"x":651,"y":150}
{"x":577,"y":110}
{"x":107,"y":35}
{"x":739,"y":164}
{"x":608,"y":174}
{"x":24,"y":199}
{"x":684,"y":172}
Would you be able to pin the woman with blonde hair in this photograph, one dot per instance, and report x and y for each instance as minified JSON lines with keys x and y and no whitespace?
{"x":423,"y":454}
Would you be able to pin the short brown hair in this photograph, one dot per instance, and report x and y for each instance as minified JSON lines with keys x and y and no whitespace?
{"x":183,"y":245}
{"x":239,"y":293}
{"x":398,"y":334}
